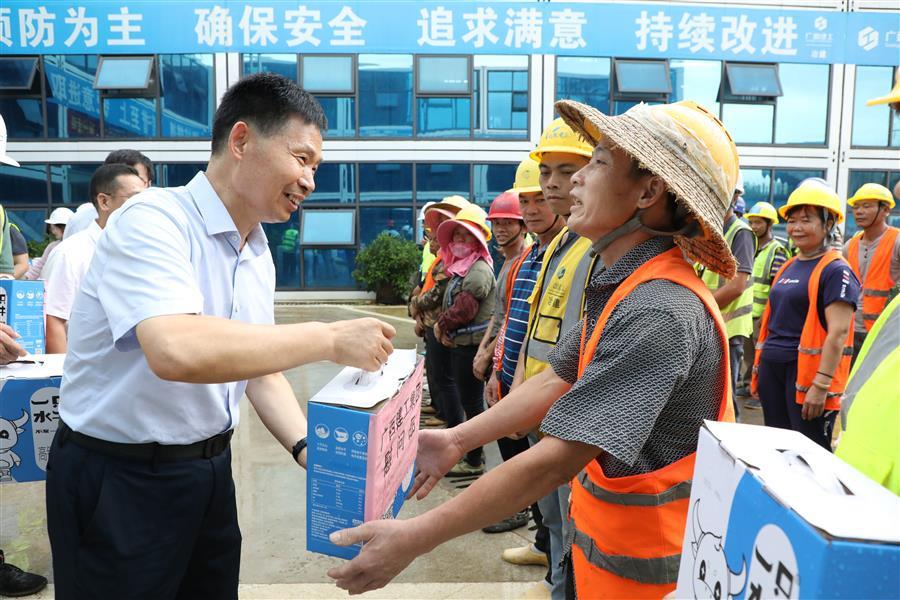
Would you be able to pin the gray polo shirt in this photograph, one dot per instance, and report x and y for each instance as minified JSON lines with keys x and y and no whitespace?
{"x":653,"y":379}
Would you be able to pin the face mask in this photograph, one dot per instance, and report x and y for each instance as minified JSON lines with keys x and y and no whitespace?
{"x":461,"y":249}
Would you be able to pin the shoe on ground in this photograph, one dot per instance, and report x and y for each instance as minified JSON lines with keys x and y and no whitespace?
{"x":539,"y":591}
{"x":742,"y":392}
{"x":464,"y":469}
{"x":525,"y":555}
{"x":752,"y":404}
{"x":520,"y":519}
{"x":434,"y":422}
{"x":16,"y":582}
{"x":428,"y":410}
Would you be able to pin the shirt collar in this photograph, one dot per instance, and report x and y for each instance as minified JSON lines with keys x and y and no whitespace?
{"x":631,"y":260}
{"x":216,"y":218}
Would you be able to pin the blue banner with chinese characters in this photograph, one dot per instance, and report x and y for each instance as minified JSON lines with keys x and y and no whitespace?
{"x":449,"y":27}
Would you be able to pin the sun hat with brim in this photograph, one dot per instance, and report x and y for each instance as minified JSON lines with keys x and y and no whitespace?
{"x":432,"y":215}
{"x":446,"y":229}
{"x":891,"y":97}
{"x":59,"y":216}
{"x":674,"y":150}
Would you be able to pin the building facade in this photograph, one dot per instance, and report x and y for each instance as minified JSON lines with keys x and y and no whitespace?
{"x":414,"y":118}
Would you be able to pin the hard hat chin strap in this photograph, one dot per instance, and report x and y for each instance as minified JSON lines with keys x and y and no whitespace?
{"x":513,"y":239}
{"x":552,"y":225}
{"x":690,"y":229}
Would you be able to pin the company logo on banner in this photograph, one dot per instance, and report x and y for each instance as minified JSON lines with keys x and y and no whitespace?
{"x":325,"y":26}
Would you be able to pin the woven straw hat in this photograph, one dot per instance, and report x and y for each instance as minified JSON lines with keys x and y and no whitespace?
{"x":690,"y":149}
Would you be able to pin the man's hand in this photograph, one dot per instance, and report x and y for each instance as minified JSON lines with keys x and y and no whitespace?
{"x":363,"y":343}
{"x":481,"y":364}
{"x":10,"y":350}
{"x":442,"y":337}
{"x":490,"y":390}
{"x":419,"y":328}
{"x":814,"y":404}
{"x":389,"y":547}
{"x":438,"y":452}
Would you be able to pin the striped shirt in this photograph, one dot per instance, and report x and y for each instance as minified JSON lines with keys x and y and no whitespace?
{"x":517,"y":320}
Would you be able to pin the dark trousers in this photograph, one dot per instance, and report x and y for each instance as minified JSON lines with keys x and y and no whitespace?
{"x":126,"y":529}
{"x":510,"y":447}
{"x":463,"y":398}
{"x":778,"y":395}
{"x":858,"y":338}
{"x":437,"y":370}
{"x":736,"y":355}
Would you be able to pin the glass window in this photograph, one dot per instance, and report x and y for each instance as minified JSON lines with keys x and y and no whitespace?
{"x":436,"y":181}
{"x":749,"y":123}
{"x":785,"y":181}
{"x":129,"y":117}
{"x":491,"y":180}
{"x":328,"y":227}
{"x":283,"y":64}
{"x":870,"y":123}
{"x":17,"y":73}
{"x":397,"y":222}
{"x":24,"y":117}
{"x":583,"y":79}
{"x":444,"y":117}
{"x":26,"y":184}
{"x":329,"y":268}
{"x":802,"y":113}
{"x":124,"y":73}
{"x":757,"y":185}
{"x":176,"y":174}
{"x":443,"y":75}
{"x":642,"y":77}
{"x":73,"y":105}
{"x":71,"y":184}
{"x":188,"y":95}
{"x":895,"y":128}
{"x":341,"y":115}
{"x":335,"y":182}
{"x":328,"y":74}
{"x":385,"y":182}
{"x":284,"y":240}
{"x":385,"y":95}
{"x":696,"y":80}
{"x":30,"y":223}
{"x":749,"y":79}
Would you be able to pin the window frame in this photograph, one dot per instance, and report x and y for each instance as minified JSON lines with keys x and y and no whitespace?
{"x":727,"y":95}
{"x":418,"y":92}
{"x":617,"y":94}
{"x":35,"y":68}
{"x":354,"y":68}
{"x":325,"y":208}
{"x":890,"y":117}
{"x":151,"y":87}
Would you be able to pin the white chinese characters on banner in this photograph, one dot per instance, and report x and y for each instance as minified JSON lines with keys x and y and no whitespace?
{"x":436,"y":27}
{"x":258,"y":25}
{"x":525,"y":27}
{"x":214,"y":26}
{"x":124,"y":23}
{"x":302,"y":24}
{"x":567,"y":29}
{"x":82,"y":25}
{"x":657,"y":29}
{"x":36,"y":27}
{"x":780,"y":35}
{"x":695,"y":33}
{"x":347,"y":28}
{"x":480,"y":25}
{"x":737,"y":33}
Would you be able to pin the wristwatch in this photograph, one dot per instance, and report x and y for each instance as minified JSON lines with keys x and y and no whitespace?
{"x":298,"y":447}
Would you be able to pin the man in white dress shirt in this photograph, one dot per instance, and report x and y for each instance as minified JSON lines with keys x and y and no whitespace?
{"x":173,"y":323}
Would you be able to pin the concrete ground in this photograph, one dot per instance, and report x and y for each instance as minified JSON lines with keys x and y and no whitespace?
{"x":271,"y":495}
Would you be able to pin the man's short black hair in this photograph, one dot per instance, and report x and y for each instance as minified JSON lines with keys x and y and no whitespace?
{"x":131,"y":158}
{"x":266,"y":101}
{"x":103,"y":181}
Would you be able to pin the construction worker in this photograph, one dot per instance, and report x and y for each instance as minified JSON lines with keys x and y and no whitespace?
{"x":735,"y":296}
{"x":770,"y":255}
{"x":874,"y":255}
{"x":806,"y":332}
{"x":892,"y":98}
{"x":871,"y":438}
{"x":629,"y":387}
{"x":556,"y":306}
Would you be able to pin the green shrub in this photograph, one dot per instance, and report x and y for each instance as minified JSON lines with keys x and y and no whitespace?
{"x":385,"y":267}
{"x":36,"y":247}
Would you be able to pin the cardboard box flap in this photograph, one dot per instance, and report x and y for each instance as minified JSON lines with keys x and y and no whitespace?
{"x":824,"y":490}
{"x":34,"y":366}
{"x":361,"y":389}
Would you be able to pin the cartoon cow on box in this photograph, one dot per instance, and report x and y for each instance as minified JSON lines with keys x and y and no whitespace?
{"x":711,"y":576}
{"x":9,"y":435}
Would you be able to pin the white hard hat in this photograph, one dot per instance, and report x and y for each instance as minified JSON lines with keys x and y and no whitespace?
{"x":59,"y":216}
{"x":423,"y":209}
{"x":739,"y":186}
{"x":4,"y":158}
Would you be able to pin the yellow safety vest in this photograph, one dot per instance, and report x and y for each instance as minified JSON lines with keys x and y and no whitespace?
{"x":762,"y":270}
{"x":554,"y":308}
{"x":871,"y":404}
{"x":738,"y":314}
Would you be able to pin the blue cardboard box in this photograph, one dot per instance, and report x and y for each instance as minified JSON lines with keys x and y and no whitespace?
{"x":774,"y":515}
{"x":22,"y":308}
{"x":363,"y":438}
{"x":29,"y":416}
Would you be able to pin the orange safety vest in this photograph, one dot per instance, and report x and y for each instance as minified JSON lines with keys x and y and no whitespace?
{"x":429,"y":275}
{"x":510,"y":282}
{"x":876,"y":287}
{"x":812,"y":339}
{"x":628,"y":531}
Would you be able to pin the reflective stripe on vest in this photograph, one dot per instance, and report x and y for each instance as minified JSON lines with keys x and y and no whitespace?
{"x":738,"y":313}
{"x":877,"y":284}
{"x":628,"y":531}
{"x":812,"y":339}
{"x":762,"y":267}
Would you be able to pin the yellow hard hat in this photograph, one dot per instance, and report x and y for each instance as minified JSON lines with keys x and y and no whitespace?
{"x":527,"y":177}
{"x":872,"y":191}
{"x":472,"y":218}
{"x":475,"y":214}
{"x":452,"y":203}
{"x":813,"y":193}
{"x":559,"y":137}
{"x":892,"y":96}
{"x":763,"y":210}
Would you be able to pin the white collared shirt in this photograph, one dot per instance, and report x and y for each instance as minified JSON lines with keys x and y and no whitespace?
{"x":167,"y":251}
{"x":81,"y":220}
{"x":66,"y":268}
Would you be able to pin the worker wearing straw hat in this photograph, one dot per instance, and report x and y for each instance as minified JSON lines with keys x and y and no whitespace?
{"x":629,"y":387}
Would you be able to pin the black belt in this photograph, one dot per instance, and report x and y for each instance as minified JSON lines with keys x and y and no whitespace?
{"x":151,"y":451}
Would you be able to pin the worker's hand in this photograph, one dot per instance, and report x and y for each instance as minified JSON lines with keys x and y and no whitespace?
{"x":388,"y":548}
{"x":438,"y":453}
{"x":814,"y":405}
{"x":419,"y":328}
{"x":490,"y":390}
{"x":363,"y":343}
{"x":442,"y":337}
{"x":481,"y":364}
{"x":10,"y":350}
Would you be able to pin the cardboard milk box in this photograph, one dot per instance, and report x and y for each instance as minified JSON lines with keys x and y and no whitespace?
{"x":29,"y":416}
{"x":363,"y":437}
{"x":22,"y":308}
{"x":774,"y":515}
